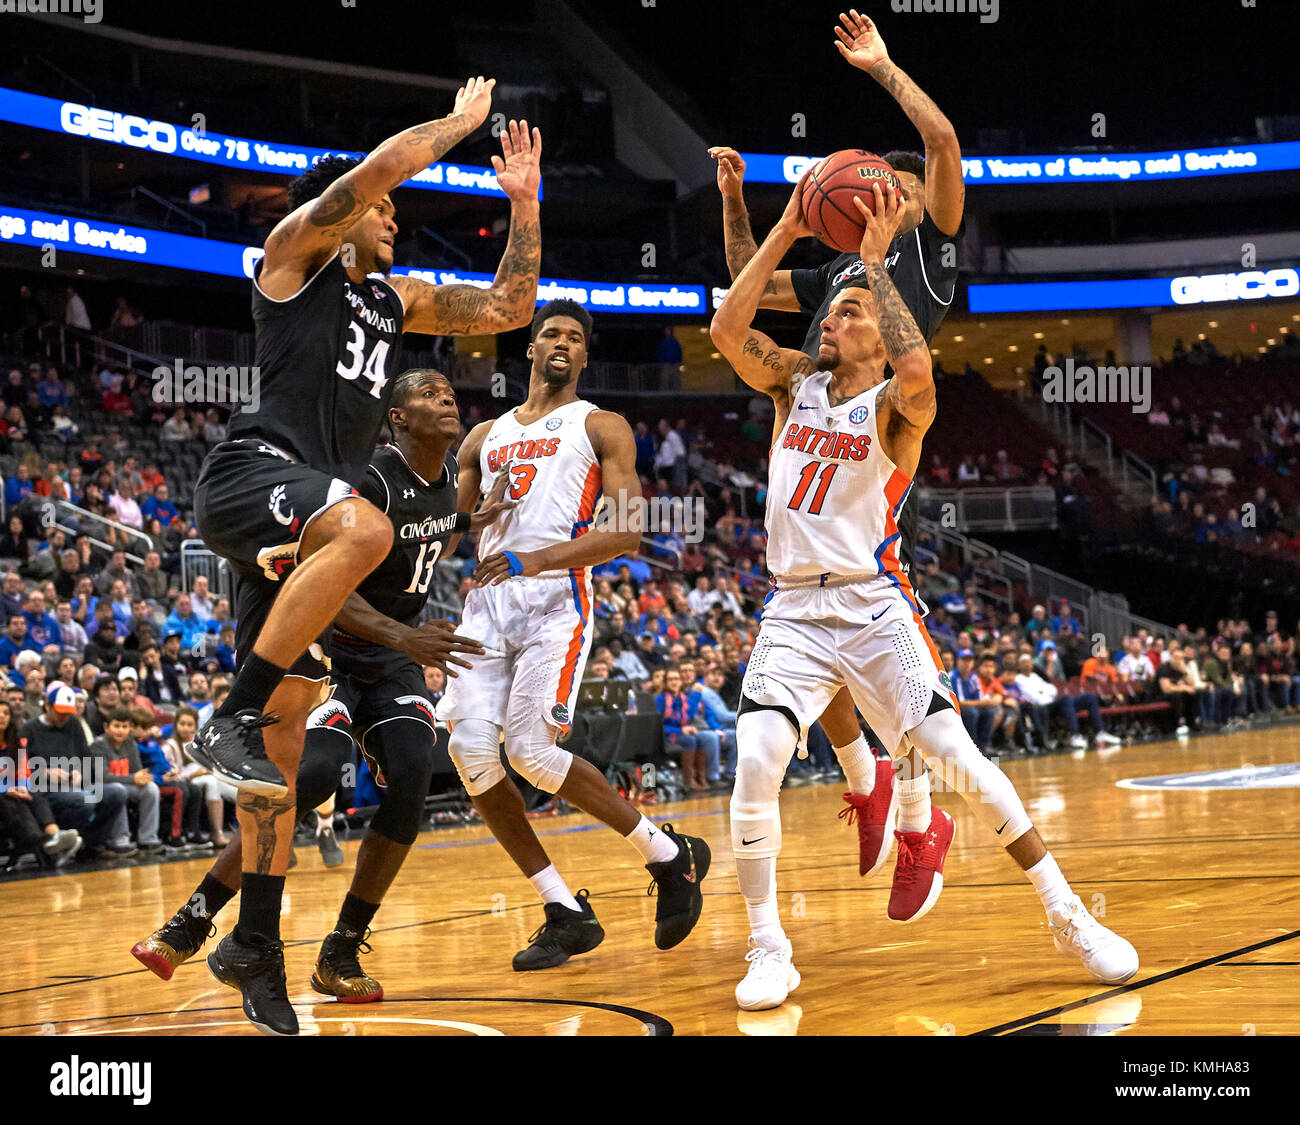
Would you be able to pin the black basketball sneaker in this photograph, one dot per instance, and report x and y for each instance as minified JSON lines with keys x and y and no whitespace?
{"x":678,"y":882}
{"x":256,"y":970}
{"x":231,"y":747}
{"x":564,"y":933}
{"x":174,"y":943}
{"x":339,"y":973}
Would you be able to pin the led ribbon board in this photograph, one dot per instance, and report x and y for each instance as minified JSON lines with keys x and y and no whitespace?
{"x":1133,"y":293}
{"x":75,"y":120}
{"x":230,"y":259}
{"x":1090,"y":168}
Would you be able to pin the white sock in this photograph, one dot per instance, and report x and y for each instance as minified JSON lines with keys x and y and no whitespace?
{"x":914,"y":803}
{"x":654,"y":846}
{"x":1050,"y":884}
{"x":323,"y":822}
{"x":757,"y":879}
{"x":552,"y":888}
{"x":859,"y":766}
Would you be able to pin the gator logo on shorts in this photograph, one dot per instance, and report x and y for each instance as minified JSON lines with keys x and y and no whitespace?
{"x":560,"y":713}
{"x":943,"y":679}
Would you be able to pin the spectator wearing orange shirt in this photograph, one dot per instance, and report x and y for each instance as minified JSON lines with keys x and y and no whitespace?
{"x":1100,"y":667}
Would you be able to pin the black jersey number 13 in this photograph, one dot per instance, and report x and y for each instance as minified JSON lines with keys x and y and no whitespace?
{"x":357,"y":364}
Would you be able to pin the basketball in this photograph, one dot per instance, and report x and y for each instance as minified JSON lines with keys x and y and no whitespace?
{"x":828,"y":190}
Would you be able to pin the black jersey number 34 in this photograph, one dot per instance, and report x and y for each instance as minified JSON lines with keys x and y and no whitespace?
{"x":356,"y":363}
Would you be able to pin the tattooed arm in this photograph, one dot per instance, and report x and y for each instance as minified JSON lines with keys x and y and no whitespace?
{"x":466,"y":310}
{"x":778,"y":293}
{"x":945,"y":191}
{"x":265,"y":811}
{"x":757,"y":359}
{"x":303,"y":240}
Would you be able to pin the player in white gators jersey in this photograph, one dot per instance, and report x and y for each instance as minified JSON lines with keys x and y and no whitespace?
{"x":842,"y":612}
{"x":531,"y":610}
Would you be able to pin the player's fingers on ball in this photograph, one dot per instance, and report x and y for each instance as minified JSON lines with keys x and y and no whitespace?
{"x":862,"y":207}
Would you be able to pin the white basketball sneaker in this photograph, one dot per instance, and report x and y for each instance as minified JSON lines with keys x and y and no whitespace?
{"x":771,"y":977}
{"x":1105,"y":954}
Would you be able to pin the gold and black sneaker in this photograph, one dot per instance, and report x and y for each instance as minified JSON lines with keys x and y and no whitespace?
{"x":678,"y":882}
{"x":174,"y":943}
{"x":339,"y":973}
{"x":564,"y":933}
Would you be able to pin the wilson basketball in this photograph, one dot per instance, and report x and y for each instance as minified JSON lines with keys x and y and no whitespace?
{"x":828,"y":190}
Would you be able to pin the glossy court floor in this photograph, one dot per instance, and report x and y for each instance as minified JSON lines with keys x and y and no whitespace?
{"x":1200,"y":872}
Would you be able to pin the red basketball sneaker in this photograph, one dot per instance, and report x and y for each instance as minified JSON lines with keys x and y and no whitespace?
{"x":875,"y":817}
{"x":918,"y":873}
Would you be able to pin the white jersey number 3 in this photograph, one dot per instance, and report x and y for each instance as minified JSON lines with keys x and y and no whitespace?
{"x":372,"y":368}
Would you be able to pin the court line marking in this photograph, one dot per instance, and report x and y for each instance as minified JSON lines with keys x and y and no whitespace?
{"x":662,"y":818}
{"x":654,"y":1024}
{"x":1157,"y":979}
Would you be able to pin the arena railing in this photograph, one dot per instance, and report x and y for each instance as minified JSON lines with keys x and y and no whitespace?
{"x":197,"y":559}
{"x":1125,"y":467}
{"x":992,"y":509}
{"x":63,"y":509}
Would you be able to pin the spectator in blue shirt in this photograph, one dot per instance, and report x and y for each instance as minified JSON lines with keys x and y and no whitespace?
{"x":1065,"y":621}
{"x":18,"y":486}
{"x":679,"y":732}
{"x":977,"y":713}
{"x":184,"y":621}
{"x":50,"y":390}
{"x":159,"y":507}
{"x":16,"y":640}
{"x":226,"y":649}
{"x":720,"y":720}
{"x":42,"y":629}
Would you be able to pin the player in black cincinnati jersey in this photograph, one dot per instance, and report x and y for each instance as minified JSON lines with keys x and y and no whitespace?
{"x":922,"y":263}
{"x":378,"y":699}
{"x":280,"y":500}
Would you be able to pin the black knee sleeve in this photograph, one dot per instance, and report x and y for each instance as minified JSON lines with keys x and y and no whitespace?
{"x":324,"y":754}
{"x":404,"y":751}
{"x":747,"y":705}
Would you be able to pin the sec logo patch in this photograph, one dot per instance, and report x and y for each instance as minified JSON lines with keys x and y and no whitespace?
{"x":859,"y":416}
{"x":555,"y":423}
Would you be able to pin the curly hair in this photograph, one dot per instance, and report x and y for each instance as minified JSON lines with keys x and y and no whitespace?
{"x":313,"y":182}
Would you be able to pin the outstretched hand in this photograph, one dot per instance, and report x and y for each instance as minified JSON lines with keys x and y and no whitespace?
{"x":519,"y":167}
{"x":731,"y":170}
{"x":474,"y":99}
{"x":435,"y":642}
{"x":858,"y":41}
{"x":494,"y":503}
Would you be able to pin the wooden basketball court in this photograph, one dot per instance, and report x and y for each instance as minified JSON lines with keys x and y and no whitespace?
{"x":1205,"y":882}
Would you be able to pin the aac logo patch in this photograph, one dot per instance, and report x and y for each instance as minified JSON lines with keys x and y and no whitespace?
{"x":859,"y":415}
{"x":560,"y":713}
{"x":555,"y":423}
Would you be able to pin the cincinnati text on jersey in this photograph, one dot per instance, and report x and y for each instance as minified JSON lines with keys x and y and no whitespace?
{"x":429,"y":527}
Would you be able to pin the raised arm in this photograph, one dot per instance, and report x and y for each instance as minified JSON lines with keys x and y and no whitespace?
{"x":779,"y":292}
{"x":466,"y":310}
{"x":301,"y":241}
{"x":945,"y":190}
{"x":757,"y":359}
{"x":613,"y":535}
{"x":909,"y":404}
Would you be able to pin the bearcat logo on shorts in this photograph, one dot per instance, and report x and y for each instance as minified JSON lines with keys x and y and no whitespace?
{"x":330,"y":714}
{"x":560,"y":713}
